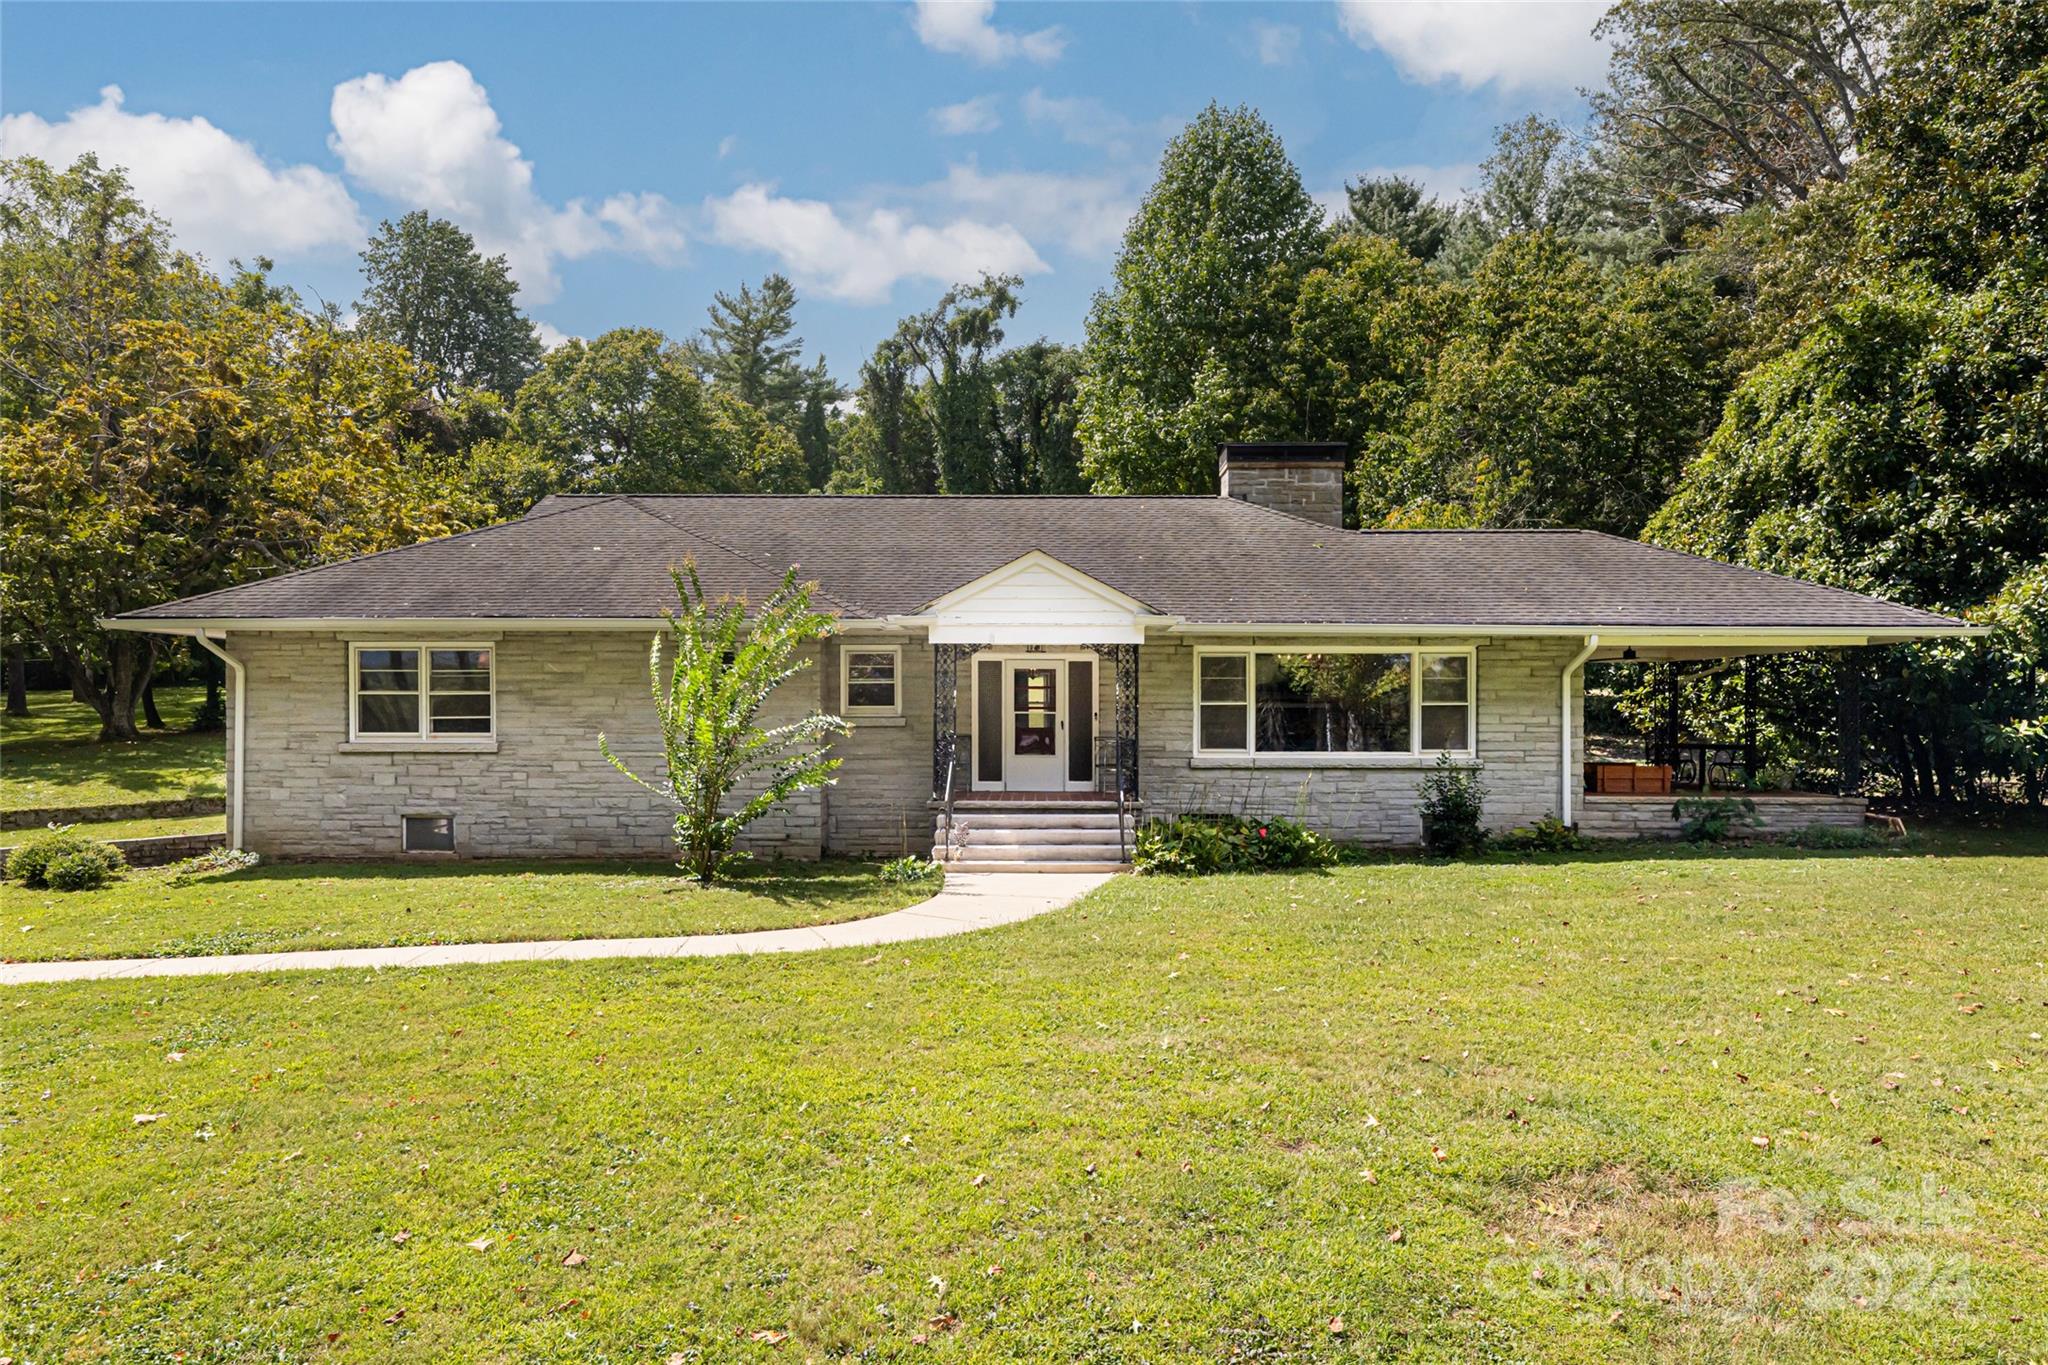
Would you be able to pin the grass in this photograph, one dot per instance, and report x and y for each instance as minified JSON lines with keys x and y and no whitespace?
{"x":54,"y":757}
{"x":144,"y":828}
{"x":279,"y":907}
{"x":1177,"y":1121}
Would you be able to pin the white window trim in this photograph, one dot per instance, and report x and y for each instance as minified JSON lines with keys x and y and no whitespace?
{"x":488,"y":739}
{"x":1414,"y":754}
{"x":846,"y":652}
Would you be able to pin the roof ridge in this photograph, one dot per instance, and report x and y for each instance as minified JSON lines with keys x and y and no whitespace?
{"x":309,"y":569}
{"x":633,"y":501}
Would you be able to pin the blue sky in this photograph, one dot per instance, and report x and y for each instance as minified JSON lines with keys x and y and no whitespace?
{"x":631,"y":158}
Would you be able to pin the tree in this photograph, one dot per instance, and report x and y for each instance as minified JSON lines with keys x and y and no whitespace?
{"x":888,"y":445}
{"x":1038,"y":447}
{"x":748,"y":351}
{"x":1712,"y":108}
{"x":723,"y":671}
{"x":165,"y":440}
{"x":623,"y":413}
{"x":1560,"y":398}
{"x":1194,"y":308}
{"x":950,"y":345}
{"x":815,"y":429}
{"x":428,"y":289}
{"x":1395,"y":207}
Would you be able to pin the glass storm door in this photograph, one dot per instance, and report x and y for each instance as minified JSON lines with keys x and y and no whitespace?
{"x":1037,"y":729}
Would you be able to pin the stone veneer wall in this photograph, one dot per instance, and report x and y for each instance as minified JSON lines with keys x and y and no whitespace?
{"x":1779,"y":814}
{"x":1516,"y":735}
{"x":545,"y":792}
{"x":882,"y":801}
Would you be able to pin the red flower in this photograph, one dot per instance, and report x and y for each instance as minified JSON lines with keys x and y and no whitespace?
{"x":1262,"y":831}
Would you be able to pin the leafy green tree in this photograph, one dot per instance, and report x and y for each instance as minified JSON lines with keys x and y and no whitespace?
{"x":888,"y":446}
{"x":1037,"y":415}
{"x":722,"y":769}
{"x":622,"y":413}
{"x":1560,"y":398}
{"x":950,"y":346}
{"x":428,"y":289}
{"x":1198,"y":306}
{"x":1712,"y":108}
{"x":748,"y":351}
{"x":1395,"y":207}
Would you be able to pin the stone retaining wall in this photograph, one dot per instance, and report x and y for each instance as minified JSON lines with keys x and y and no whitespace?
{"x":160,"y":849}
{"x":131,"y":810}
{"x":1649,"y":817}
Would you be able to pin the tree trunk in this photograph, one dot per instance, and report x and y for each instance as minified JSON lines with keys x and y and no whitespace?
{"x":17,"y":685}
{"x":130,"y":661}
{"x":150,"y":715}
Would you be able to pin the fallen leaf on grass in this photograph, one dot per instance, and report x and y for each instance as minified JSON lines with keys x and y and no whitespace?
{"x":768,"y":1336}
{"x":979,"y":1180}
{"x":1336,"y":1327}
{"x":575,"y":1258}
{"x":480,"y":1244}
{"x":1396,"y":1236}
{"x":400,"y":1238}
{"x":1760,"y":1141}
{"x":395,"y":1318}
{"x":141,"y":1119}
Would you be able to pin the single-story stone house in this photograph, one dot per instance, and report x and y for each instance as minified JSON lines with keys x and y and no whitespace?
{"x":1024,"y":675}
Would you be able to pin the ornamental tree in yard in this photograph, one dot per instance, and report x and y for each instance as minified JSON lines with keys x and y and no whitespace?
{"x":721,"y":674}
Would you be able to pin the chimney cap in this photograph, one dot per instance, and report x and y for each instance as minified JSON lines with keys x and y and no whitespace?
{"x":1280,"y":452}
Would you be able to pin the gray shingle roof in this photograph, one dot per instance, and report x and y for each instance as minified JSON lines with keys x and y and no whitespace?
{"x":1210,"y":560}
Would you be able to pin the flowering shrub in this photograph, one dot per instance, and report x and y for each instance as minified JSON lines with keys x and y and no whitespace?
{"x":1199,"y":844}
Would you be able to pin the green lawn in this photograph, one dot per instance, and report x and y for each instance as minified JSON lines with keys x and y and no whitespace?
{"x":146,"y":827}
{"x":1753,"y":1105}
{"x":54,"y":757}
{"x":281,"y":906}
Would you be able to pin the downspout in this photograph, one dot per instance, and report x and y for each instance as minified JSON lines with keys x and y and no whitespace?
{"x":237,"y":717}
{"x":1564,"y":729}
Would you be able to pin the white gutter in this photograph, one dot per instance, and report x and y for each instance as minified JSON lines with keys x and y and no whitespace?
{"x":237,"y":723}
{"x":1566,"y":776}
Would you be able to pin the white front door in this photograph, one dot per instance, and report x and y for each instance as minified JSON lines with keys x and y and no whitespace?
{"x":1035,"y":726}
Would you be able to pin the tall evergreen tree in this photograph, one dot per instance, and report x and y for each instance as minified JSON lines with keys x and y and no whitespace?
{"x":822,"y":393}
{"x":427,"y":288}
{"x":1395,"y":207}
{"x":747,"y":349}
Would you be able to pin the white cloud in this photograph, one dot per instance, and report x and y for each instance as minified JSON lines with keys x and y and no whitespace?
{"x":1514,"y":43}
{"x":727,"y":145}
{"x":431,"y":140}
{"x":1276,"y":44}
{"x":977,"y":115}
{"x":962,"y":28}
{"x":221,"y":197}
{"x":551,"y":336}
{"x":1085,"y":213}
{"x":860,"y":255}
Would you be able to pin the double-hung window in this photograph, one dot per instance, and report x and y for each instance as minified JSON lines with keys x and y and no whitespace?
{"x":871,"y":685}
{"x":420,"y":691}
{"x":1389,"y":702}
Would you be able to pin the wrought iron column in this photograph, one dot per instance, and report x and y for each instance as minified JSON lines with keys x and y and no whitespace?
{"x":1124,"y":729}
{"x":945,"y":714}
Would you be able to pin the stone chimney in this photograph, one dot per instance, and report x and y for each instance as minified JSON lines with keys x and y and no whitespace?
{"x":1302,"y":477}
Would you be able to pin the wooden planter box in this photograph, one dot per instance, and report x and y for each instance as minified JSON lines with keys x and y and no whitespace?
{"x":1629,"y":779}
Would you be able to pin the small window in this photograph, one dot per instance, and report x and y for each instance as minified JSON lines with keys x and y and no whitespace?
{"x":429,"y":834}
{"x":422,"y":692}
{"x":1225,"y":719}
{"x":1446,"y":702}
{"x":871,"y":677}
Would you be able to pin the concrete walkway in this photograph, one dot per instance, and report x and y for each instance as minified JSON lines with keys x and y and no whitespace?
{"x":970,"y":900}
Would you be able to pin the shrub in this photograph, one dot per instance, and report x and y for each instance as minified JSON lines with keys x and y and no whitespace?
{"x":213,"y":860}
{"x":1200,"y":844}
{"x":1453,"y":803}
{"x":30,"y":863}
{"x":1706,"y":820}
{"x":911,"y":869}
{"x":1834,"y":836}
{"x":81,"y":870}
{"x":1548,"y":835}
